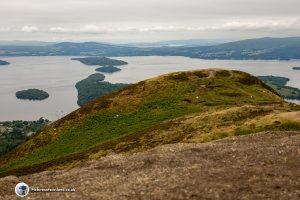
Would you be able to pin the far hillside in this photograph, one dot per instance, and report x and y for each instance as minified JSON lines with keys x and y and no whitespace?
{"x":260,"y":48}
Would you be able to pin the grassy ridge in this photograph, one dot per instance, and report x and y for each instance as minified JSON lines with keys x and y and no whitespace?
{"x":126,"y":120}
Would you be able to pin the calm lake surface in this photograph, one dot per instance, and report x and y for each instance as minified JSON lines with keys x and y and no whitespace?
{"x":58,"y":76}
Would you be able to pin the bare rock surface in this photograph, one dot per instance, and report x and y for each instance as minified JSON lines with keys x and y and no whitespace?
{"x":260,"y":166}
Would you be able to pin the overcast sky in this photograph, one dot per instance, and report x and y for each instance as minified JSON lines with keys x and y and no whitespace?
{"x":142,"y":20}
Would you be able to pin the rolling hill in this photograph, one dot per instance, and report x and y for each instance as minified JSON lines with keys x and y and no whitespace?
{"x":194,"y":106}
{"x":261,"y":48}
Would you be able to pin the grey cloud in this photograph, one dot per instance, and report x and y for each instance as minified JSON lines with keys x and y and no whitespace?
{"x":170,"y":18}
{"x":29,"y":29}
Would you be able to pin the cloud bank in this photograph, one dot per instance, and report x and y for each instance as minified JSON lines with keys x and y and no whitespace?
{"x":147,"y":20}
{"x":271,"y":25}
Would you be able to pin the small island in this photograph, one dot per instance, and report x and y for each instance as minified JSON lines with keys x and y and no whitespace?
{"x":108,"y":69}
{"x":101,"y":61}
{"x":279,"y":85}
{"x":2,"y":62}
{"x":32,"y":94}
{"x":296,"y":68}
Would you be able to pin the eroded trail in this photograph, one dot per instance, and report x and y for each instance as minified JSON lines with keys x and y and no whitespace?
{"x":260,"y":166}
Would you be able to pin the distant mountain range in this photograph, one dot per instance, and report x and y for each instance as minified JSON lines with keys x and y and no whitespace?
{"x":176,"y":43}
{"x":262,"y":48}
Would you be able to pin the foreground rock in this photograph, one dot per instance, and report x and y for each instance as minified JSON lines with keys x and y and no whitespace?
{"x":261,"y":166}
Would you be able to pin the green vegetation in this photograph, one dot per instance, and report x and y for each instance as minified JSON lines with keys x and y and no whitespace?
{"x":4,"y":62}
{"x":194,"y":106}
{"x":102,"y":61}
{"x":14,"y":133}
{"x":32,"y":94}
{"x":296,"y":68}
{"x":279,"y":84}
{"x":108,"y":69}
{"x":94,"y":87}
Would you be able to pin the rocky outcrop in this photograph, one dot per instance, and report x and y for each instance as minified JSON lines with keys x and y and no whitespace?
{"x":260,"y":166}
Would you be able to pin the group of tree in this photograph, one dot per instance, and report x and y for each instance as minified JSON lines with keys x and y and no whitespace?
{"x":32,"y":94}
{"x":15,"y":133}
{"x":94,"y":87}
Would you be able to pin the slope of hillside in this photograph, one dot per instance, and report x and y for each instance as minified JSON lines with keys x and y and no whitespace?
{"x":196,"y":106}
{"x":259,"y":166}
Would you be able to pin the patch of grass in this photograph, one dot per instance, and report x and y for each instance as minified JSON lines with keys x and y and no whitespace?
{"x":223,"y":73}
{"x":179,"y":77}
{"x":285,"y":126}
{"x":201,"y":74}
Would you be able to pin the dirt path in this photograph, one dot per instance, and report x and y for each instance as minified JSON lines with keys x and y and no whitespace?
{"x":293,"y":116}
{"x":261,"y":166}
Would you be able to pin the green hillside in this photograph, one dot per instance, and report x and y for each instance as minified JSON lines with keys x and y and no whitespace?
{"x":195,"y":106}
